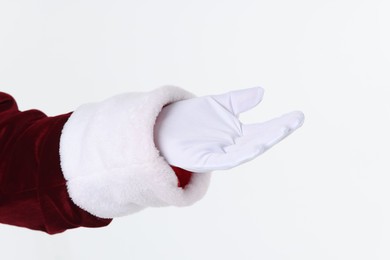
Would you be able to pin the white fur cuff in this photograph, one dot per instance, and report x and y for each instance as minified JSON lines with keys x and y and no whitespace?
{"x":111,"y":163}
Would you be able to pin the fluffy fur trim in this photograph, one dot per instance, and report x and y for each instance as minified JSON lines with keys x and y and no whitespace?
{"x":111,"y":163}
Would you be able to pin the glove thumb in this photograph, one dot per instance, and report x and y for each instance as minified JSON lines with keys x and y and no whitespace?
{"x":239,"y":101}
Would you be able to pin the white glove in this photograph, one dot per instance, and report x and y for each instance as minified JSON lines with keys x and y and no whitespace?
{"x":204,"y":134}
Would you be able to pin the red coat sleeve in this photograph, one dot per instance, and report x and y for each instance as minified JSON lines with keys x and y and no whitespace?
{"x":33,"y":191}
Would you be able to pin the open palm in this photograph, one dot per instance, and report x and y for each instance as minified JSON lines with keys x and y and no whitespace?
{"x":204,"y":134}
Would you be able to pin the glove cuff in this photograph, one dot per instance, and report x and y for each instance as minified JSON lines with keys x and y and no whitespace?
{"x":110,"y":161}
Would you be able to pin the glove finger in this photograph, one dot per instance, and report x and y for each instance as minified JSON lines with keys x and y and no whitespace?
{"x":256,"y":139}
{"x":292,"y":121}
{"x":273,"y":131}
{"x":239,"y":101}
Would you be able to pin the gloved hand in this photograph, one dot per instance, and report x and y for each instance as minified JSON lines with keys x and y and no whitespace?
{"x":204,"y":134}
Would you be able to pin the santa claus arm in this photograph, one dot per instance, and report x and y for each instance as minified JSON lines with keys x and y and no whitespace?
{"x":84,"y":168}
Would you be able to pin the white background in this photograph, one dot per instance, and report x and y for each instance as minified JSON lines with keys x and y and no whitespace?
{"x":323,"y":193}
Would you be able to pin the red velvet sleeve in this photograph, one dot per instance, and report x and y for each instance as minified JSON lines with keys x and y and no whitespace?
{"x":33,"y":191}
